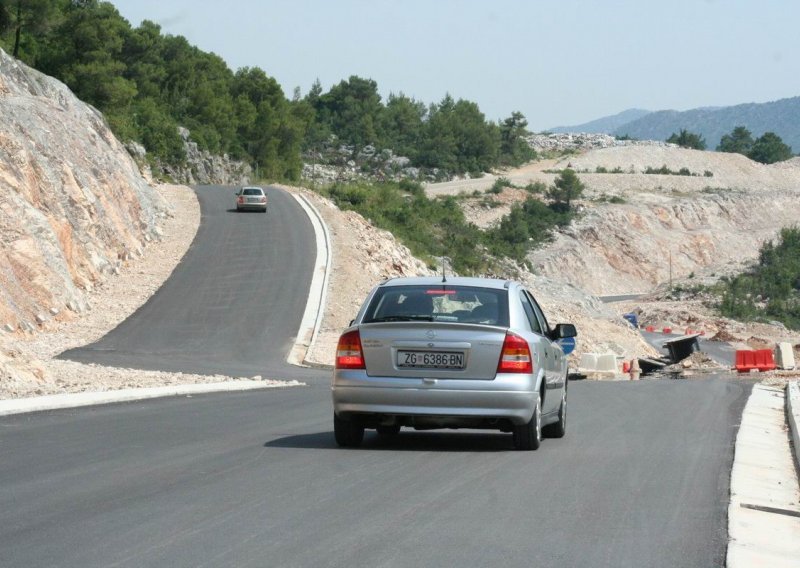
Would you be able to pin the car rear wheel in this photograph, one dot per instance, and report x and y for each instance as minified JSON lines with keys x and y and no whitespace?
{"x":529,"y":436}
{"x":348,"y":433}
{"x":388,"y":431}
{"x":558,"y":429}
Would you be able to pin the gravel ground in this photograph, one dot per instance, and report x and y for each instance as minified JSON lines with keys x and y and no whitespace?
{"x":28,"y":360}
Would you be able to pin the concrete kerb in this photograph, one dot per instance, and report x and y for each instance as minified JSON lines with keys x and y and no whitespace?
{"x":72,"y":400}
{"x":793,"y":417}
{"x":317,"y":294}
{"x":763,"y":527}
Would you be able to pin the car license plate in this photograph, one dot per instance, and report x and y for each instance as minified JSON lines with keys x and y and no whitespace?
{"x":430,"y":360}
{"x":253,"y":199}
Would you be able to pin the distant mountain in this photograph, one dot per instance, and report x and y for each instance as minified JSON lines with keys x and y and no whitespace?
{"x":781,"y":117}
{"x":605,"y":125}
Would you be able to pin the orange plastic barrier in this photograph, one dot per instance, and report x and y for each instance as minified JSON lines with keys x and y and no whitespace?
{"x":759,"y":360}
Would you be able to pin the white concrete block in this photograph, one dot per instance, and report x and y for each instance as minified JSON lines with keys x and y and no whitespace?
{"x":784,"y":356}
{"x":607,"y":363}
{"x":588,"y":362}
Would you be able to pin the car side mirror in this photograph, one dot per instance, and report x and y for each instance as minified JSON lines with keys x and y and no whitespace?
{"x":564,"y":330}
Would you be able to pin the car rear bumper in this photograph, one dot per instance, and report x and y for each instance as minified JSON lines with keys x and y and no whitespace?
{"x":473,"y":399}
{"x":251,"y":206}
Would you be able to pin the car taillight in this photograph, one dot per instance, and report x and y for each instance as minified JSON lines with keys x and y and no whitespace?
{"x":264,"y":199}
{"x":241,"y":199}
{"x":348,"y":352}
{"x":516,"y":355}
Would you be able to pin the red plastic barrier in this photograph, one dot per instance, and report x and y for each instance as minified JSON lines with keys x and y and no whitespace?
{"x":759,"y":360}
{"x":689,"y":331}
{"x":667,"y":330}
{"x":745,"y":361}
{"x":650,"y":328}
{"x":765,"y":360}
{"x":626,"y":367}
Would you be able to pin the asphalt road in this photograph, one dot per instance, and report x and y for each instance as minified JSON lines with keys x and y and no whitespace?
{"x":233,"y":305}
{"x":254,"y":479}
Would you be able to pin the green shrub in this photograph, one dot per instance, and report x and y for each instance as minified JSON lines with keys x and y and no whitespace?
{"x":600,"y":170}
{"x":499,"y":184}
{"x":537,"y":187}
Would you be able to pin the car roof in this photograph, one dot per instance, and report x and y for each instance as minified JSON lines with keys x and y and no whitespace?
{"x":252,"y":187}
{"x":494,"y":283}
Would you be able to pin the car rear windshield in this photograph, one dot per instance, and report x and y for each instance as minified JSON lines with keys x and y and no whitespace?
{"x":252,"y":192}
{"x":440,"y":303}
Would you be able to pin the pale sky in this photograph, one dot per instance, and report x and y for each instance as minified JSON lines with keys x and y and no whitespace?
{"x":560,"y":62}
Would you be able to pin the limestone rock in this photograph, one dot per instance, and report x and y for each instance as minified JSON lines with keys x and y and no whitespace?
{"x":71,"y":196}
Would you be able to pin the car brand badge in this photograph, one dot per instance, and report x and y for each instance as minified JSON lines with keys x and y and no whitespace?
{"x":430,"y":334}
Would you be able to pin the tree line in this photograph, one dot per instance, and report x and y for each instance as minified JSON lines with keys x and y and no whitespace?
{"x":767,"y":149}
{"x":147,"y":83}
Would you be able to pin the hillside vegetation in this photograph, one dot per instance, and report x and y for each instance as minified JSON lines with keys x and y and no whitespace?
{"x":437,"y":227}
{"x":771,"y":289}
{"x":147,"y":83}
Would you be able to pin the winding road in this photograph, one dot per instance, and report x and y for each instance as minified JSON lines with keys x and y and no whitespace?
{"x":233,"y":305}
{"x":255,"y":479}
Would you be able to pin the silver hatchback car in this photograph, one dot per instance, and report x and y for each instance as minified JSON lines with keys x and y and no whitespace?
{"x":431,"y":353}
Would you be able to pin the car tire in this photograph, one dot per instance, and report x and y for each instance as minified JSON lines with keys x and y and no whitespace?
{"x":388,"y":431}
{"x":265,"y":210}
{"x":348,"y":433}
{"x":558,"y":429}
{"x":529,"y":436}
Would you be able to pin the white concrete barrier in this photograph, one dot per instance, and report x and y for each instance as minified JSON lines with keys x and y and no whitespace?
{"x":784,"y":356}
{"x":607,"y":363}
{"x":588,"y":363}
{"x":598,"y":365}
{"x":793,"y":416}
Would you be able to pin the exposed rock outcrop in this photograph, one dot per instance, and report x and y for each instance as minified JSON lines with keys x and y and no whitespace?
{"x":200,"y":167}
{"x":73,"y":205}
{"x":626,"y":248}
{"x":632,"y":248}
{"x":561,"y":142}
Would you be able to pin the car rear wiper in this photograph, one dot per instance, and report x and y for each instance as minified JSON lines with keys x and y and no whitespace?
{"x":407,"y":317}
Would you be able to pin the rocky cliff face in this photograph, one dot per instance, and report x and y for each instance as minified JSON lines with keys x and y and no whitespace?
{"x":73,"y":205}
{"x":623,"y":249}
{"x":200,"y":166}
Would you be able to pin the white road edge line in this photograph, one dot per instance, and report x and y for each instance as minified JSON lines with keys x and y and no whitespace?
{"x":72,"y":400}
{"x":318,"y":292}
